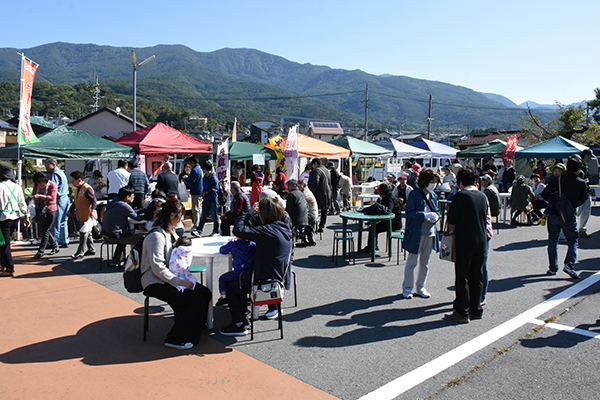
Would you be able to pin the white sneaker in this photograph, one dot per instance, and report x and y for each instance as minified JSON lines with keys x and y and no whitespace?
{"x":214,"y":234}
{"x":182,"y":346}
{"x":423,"y":293}
{"x":407,"y":294}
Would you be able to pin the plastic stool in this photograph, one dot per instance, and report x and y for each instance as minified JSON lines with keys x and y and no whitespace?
{"x":110,"y":251}
{"x":335,"y":251}
{"x":399,"y":236}
{"x":199,"y":268}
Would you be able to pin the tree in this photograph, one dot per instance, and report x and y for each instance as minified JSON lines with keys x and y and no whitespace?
{"x":572,"y":120}
{"x":595,"y":106}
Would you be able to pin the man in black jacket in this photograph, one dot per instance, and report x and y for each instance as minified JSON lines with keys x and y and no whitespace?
{"x":296,"y":207}
{"x":335,"y":188}
{"x":168,"y":181}
{"x":575,"y":190}
{"x":508,"y":177}
{"x":319,"y":184}
{"x":467,"y":219}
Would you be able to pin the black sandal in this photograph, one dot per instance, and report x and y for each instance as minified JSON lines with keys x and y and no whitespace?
{"x":54,"y":251}
{"x":38,"y":255}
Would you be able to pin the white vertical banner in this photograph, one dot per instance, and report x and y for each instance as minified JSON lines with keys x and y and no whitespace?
{"x":291,"y":153}
{"x":223,"y":167}
{"x":234,"y":133}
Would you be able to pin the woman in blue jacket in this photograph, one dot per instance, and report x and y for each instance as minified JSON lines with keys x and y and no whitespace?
{"x":273,"y":248}
{"x":421,"y":235}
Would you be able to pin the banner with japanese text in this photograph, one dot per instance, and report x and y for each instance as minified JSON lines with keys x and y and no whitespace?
{"x":222,"y":169}
{"x":28,"y":70}
{"x":291,"y":153}
{"x":509,"y":150}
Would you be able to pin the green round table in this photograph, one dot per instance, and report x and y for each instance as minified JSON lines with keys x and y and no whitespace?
{"x":360,"y":217}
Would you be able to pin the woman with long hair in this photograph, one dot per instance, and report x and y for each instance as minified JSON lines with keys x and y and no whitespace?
{"x":190,"y":306}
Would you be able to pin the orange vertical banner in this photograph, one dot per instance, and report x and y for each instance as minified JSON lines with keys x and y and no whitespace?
{"x":28,"y":70}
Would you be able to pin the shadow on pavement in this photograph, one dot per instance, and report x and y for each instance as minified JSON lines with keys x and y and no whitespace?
{"x":522,"y":245}
{"x":561,"y":339}
{"x":109,"y":342}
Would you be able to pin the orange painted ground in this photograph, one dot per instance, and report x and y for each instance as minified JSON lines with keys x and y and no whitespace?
{"x":64,"y":336}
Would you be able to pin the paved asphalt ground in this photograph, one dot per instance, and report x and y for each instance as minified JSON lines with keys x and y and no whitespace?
{"x":352,"y":332}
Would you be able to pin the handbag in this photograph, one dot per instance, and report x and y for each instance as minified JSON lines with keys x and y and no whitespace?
{"x":97,"y":230}
{"x":41,"y":210}
{"x":270,"y":291}
{"x":447,"y":245}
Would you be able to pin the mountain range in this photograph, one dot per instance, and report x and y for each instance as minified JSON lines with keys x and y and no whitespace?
{"x":249,"y":83}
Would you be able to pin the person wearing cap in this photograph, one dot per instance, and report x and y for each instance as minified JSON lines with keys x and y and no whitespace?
{"x":583,"y":212}
{"x":571,"y":186}
{"x":12,"y":208}
{"x":335,"y":188}
{"x":95,"y":182}
{"x":414,"y":172}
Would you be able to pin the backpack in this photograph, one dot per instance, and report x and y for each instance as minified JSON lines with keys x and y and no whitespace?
{"x":132,"y":275}
{"x":564,"y":208}
{"x":495,"y":202}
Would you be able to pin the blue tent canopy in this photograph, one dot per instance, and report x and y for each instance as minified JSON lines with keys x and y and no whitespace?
{"x":557,"y":147}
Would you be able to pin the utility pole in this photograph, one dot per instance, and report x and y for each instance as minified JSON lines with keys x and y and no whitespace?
{"x":429,"y":119}
{"x":366,"y":101}
{"x":95,"y":95}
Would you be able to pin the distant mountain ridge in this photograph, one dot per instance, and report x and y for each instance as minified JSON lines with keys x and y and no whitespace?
{"x":182,"y":76}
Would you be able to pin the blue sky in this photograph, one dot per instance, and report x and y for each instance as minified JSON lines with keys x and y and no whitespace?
{"x":543,"y":51}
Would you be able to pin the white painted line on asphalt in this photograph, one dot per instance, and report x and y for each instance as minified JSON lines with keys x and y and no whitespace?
{"x":406,"y":382}
{"x":565,"y":328}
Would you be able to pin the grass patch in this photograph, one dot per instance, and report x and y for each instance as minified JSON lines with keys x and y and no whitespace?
{"x":455,"y":382}
{"x":551,"y":319}
{"x":503,"y":350}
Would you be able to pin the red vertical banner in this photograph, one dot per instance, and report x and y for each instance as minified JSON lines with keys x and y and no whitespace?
{"x":509,"y":150}
{"x":28,"y":70}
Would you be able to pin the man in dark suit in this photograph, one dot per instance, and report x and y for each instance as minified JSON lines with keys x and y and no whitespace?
{"x":467,"y":220}
{"x":168,"y":181}
{"x":319,"y":184}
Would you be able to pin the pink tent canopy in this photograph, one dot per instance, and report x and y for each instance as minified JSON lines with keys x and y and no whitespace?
{"x":162,"y":139}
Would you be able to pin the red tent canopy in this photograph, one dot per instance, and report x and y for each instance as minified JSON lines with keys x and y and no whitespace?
{"x":162,"y":139}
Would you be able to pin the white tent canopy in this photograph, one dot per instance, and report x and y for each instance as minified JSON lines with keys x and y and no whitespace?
{"x":403,"y":150}
{"x":437,"y":150}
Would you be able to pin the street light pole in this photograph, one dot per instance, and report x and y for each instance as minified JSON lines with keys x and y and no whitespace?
{"x":135,"y":67}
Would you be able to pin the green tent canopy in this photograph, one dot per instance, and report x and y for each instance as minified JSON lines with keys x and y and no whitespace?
{"x":494,"y":148}
{"x":243,"y":151}
{"x":361,"y":148}
{"x":66,"y":142}
{"x":558,"y":147}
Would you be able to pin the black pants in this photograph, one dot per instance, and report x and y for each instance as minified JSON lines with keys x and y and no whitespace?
{"x":190,"y":308}
{"x":226,"y":224}
{"x":7,"y":227}
{"x":44,"y":232}
{"x":237,"y":297}
{"x":138,"y":200}
{"x":112,"y":196}
{"x":323,"y":218}
{"x":468,"y":270}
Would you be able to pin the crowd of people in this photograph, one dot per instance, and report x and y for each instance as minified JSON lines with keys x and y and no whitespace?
{"x":268,"y":223}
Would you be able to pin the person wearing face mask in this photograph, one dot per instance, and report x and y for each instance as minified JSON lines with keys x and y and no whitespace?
{"x":421,"y":236}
